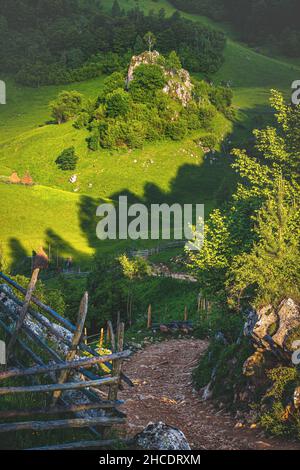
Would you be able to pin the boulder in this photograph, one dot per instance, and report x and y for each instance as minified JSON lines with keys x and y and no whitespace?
{"x":280,"y":324}
{"x":297,"y":398}
{"x":289,"y":321}
{"x":160,"y":436}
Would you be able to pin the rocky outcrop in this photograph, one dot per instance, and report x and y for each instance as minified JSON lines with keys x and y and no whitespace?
{"x":275,"y":328}
{"x":273,"y":331}
{"x":160,"y":436}
{"x":179,"y":85}
{"x":147,"y":58}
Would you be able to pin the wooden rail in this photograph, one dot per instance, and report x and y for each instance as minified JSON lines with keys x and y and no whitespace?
{"x":88,"y":362}
{"x":79,"y":358}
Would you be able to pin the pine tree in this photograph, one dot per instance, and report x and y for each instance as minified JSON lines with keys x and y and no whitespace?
{"x":271,"y":270}
{"x":139,"y":45}
{"x":116,"y":9}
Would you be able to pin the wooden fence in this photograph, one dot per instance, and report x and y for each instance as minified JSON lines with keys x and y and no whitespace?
{"x":74,"y":366}
{"x":145,"y":253}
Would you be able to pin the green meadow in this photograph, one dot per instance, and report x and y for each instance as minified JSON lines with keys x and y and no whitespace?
{"x":57,"y":213}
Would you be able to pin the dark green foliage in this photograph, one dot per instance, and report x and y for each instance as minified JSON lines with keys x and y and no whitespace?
{"x":77,"y":40}
{"x":206,"y":114}
{"x":271,"y":23}
{"x":116,"y":9}
{"x":147,"y":80}
{"x":225,"y":356}
{"x":250,"y":257}
{"x":271,"y":270}
{"x":221,"y":98}
{"x":173,"y":62}
{"x":209,"y":140}
{"x":93,"y":142}
{"x":67,"y":160}
{"x":139,"y":45}
{"x":82,"y":120}
{"x":177,"y":130}
{"x":284,"y":380}
{"x":118,"y":103}
{"x":124,"y":285}
{"x":67,"y":105}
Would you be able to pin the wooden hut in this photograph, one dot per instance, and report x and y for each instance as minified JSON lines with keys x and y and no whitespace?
{"x":14,"y":178}
{"x":27,"y":179}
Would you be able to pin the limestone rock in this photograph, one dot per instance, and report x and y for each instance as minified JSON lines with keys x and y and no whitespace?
{"x":179,"y":85}
{"x":160,"y":436}
{"x":280,"y":324}
{"x":267,"y":318}
{"x":297,"y":398}
{"x":289,"y":320}
{"x":147,"y":58}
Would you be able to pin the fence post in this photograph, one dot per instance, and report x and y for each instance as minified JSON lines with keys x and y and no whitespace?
{"x":101,"y":339}
{"x":117,"y":364}
{"x":185,"y":313}
{"x":40,"y":262}
{"x":149,"y":319}
{"x":110,"y":330}
{"x":75,"y":342}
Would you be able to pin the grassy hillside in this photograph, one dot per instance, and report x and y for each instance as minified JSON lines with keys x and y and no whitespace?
{"x":63,"y":214}
{"x":251,"y":73}
{"x":57,"y":211}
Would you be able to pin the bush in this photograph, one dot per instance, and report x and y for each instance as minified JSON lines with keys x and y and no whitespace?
{"x":207,"y":112}
{"x":147,"y":80}
{"x":93,"y":142}
{"x":221,"y":97}
{"x":118,"y":103}
{"x":284,"y":381}
{"x":82,"y":120}
{"x":177,"y":130}
{"x":67,"y":105}
{"x":67,"y":160}
{"x":209,"y":140}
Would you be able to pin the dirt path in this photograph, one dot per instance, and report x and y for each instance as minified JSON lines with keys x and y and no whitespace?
{"x":163,"y":392}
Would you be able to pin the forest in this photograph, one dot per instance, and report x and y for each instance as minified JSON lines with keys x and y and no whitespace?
{"x":68,"y":41}
{"x":270,"y":23}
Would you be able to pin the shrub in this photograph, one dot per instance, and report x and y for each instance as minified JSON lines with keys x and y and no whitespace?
{"x":67,"y":160}
{"x":221,"y":97}
{"x":209,"y":140}
{"x":147,"y":80}
{"x":275,"y":420}
{"x":82,"y":120}
{"x":118,"y":103}
{"x":206,"y":114}
{"x":67,"y":105}
{"x":93,"y":142}
{"x":177,"y":130}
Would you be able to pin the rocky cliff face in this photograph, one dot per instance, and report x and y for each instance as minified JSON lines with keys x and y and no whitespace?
{"x":276,"y":336}
{"x":275,"y":329}
{"x":178,"y":86}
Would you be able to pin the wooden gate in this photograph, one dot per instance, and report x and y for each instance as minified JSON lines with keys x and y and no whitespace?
{"x":48,"y":351}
